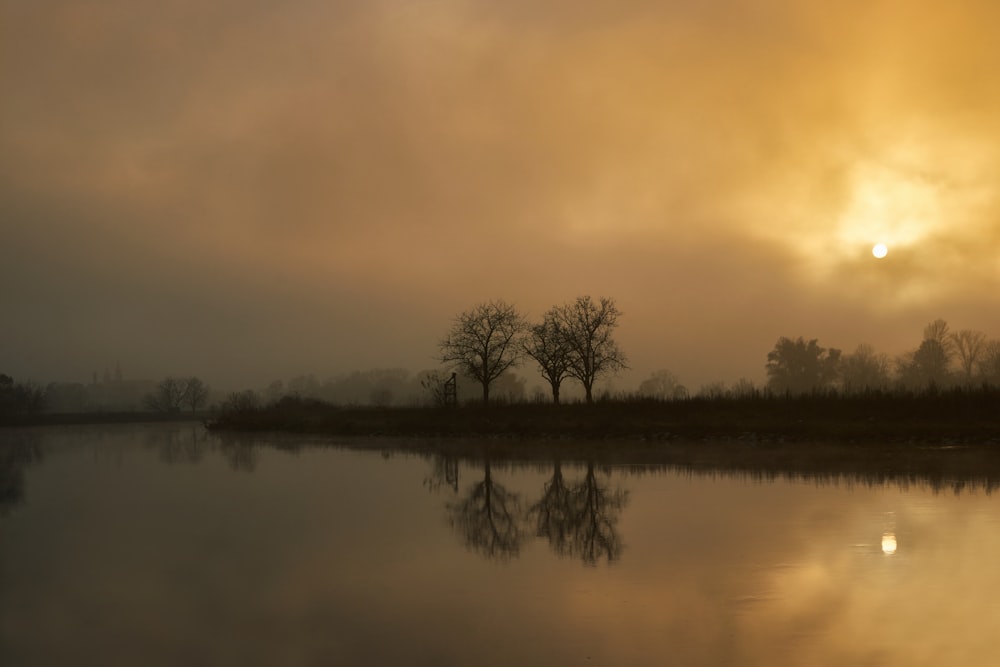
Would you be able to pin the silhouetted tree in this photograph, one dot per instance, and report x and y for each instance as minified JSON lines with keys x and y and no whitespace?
{"x":969,"y":346}
{"x":989,"y":363}
{"x":664,"y":385}
{"x":864,"y":369}
{"x":548,"y":345}
{"x":489,"y":518}
{"x":432,"y":382}
{"x":485,"y":342}
{"x":168,"y":397}
{"x":20,"y":397}
{"x":926,"y":367}
{"x":242,"y":402}
{"x":588,"y":329}
{"x":798,"y":367}
{"x":939,"y":332}
{"x":195,"y":393}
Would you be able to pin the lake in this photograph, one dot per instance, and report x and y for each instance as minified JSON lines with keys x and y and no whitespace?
{"x":167,"y":545}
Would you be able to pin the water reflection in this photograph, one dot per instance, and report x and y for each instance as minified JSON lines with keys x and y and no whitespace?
{"x":179,"y":445}
{"x":579,"y":520}
{"x":20,"y":449}
{"x":444,"y":473}
{"x":158,"y":546}
{"x":489,"y":518}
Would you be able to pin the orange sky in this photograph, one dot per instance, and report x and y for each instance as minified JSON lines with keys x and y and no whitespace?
{"x":252,"y":190}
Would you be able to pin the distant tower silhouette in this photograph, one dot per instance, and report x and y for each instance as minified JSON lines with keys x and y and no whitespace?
{"x":451,"y":390}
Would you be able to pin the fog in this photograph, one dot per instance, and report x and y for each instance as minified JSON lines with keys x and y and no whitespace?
{"x":255,"y":191}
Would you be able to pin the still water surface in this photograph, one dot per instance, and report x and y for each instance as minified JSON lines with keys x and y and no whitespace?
{"x":166,"y":545}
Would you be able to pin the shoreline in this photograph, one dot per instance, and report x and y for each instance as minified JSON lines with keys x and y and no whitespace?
{"x":952,"y":419}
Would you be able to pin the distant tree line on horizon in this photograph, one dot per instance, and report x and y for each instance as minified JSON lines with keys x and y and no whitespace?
{"x":573,"y":341}
{"x":944,"y":359}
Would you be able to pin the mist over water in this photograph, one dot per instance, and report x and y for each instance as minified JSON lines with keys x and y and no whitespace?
{"x":155,"y":544}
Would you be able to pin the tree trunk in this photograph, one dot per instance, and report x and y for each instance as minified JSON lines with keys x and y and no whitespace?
{"x":590,"y":394}
{"x":555,"y":393}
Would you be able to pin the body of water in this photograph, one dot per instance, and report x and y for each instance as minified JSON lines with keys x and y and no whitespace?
{"x":166,"y":545}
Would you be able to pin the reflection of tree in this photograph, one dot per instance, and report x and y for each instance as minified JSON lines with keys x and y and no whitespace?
{"x":579,"y":520}
{"x":240,"y":453}
{"x":445,"y":472}
{"x":552,"y":514}
{"x":179,"y":445}
{"x":597,"y":507}
{"x":20,"y":451}
{"x":489,"y":518}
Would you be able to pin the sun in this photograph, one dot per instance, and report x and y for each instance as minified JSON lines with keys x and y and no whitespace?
{"x":892,"y":201}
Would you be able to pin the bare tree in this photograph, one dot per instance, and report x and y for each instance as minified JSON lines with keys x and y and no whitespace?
{"x":969,"y":346}
{"x":242,"y":402}
{"x":485,"y":342}
{"x":433,"y":384}
{"x":989,"y":363}
{"x":864,"y":369}
{"x":663,"y":384}
{"x":195,"y":393}
{"x":168,"y":397}
{"x":547,"y":344}
{"x":588,"y":328}
{"x":938,"y":332}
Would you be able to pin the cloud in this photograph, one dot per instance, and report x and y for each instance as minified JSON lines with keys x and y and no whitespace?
{"x":441,"y":153}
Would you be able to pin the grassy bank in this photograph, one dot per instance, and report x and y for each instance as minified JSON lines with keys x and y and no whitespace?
{"x":956,"y":416}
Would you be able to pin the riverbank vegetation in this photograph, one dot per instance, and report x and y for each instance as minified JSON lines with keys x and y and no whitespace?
{"x":956,"y":415}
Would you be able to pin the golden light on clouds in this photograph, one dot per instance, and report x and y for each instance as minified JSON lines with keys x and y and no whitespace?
{"x":446,"y":152}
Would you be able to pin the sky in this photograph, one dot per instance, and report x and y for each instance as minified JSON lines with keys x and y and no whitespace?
{"x":252,"y":190}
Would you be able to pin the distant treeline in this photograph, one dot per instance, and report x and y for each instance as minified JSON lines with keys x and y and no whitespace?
{"x":942,"y":360}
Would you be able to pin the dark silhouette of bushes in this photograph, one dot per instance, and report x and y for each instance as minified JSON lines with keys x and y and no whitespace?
{"x":955,"y":414}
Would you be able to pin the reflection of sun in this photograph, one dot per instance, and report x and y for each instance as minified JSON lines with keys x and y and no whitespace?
{"x":889,"y":544}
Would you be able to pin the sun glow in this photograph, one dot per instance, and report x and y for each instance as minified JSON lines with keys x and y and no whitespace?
{"x":899,"y":206}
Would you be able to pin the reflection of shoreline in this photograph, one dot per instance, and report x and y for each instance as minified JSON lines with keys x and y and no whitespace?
{"x":944,"y":467}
